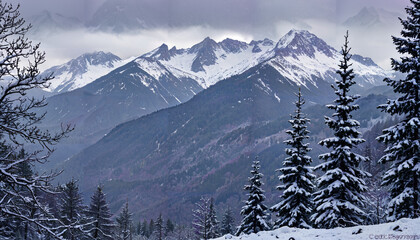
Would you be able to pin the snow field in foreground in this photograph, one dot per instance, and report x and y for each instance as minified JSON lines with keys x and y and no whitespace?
{"x":399,"y":230}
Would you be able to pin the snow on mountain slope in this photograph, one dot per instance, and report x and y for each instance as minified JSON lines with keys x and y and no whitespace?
{"x":304,"y":58}
{"x":300,"y":56}
{"x":82,"y":70}
{"x":401,"y":229}
{"x":209,"y":62}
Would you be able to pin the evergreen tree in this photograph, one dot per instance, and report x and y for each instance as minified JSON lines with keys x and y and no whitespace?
{"x":138,"y":228}
{"x":295,"y":206}
{"x":402,"y":139}
{"x":254,"y":212}
{"x":214,"y":231}
{"x":159,"y":228}
{"x":151,"y":227}
{"x":339,"y":200}
{"x":145,"y":229}
{"x":100,"y":216}
{"x":170,"y":227}
{"x":71,"y":210}
{"x":227,"y":222}
{"x":201,"y":221}
{"x":124,"y":224}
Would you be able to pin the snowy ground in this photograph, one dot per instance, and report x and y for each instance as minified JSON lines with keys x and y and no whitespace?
{"x":401,"y":230}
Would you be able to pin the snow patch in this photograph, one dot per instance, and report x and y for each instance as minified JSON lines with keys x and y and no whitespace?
{"x":408,"y":227}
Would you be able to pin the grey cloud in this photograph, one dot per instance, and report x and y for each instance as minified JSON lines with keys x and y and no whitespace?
{"x":185,"y":22}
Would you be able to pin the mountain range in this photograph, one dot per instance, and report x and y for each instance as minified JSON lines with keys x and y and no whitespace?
{"x":167,"y":77}
{"x":188,"y":122}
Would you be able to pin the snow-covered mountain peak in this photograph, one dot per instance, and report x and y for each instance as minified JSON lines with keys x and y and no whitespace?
{"x":209,"y":61}
{"x":207,"y":44}
{"x":82,"y":70}
{"x":205,"y":54}
{"x":302,"y":42}
{"x":300,"y":56}
{"x":96,"y":58}
{"x":290,"y":36}
{"x":233,"y":46}
{"x":264,"y":42}
{"x":161,"y":53}
{"x":256,"y":45}
{"x":303,"y":58}
{"x":367,"y":61}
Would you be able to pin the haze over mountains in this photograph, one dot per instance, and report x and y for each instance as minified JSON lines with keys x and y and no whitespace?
{"x":370,"y":17}
{"x":186,"y":118}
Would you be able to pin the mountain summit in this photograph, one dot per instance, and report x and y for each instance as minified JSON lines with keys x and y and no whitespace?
{"x":166,"y":77}
{"x":300,"y":55}
{"x":302,"y":42}
{"x":82,"y":70}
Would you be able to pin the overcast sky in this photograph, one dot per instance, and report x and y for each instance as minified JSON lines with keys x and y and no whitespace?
{"x":182,"y":23}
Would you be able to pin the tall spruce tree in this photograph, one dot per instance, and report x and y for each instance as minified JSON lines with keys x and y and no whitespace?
{"x":227,"y":222}
{"x":295,"y":206}
{"x":99,"y":216}
{"x":159,"y":228}
{"x":71,"y":210}
{"x":339,"y":201}
{"x":169,"y":228}
{"x":151,"y":227}
{"x":145,"y":229}
{"x":254,"y":212}
{"x":402,"y":139}
{"x":214,"y":223}
{"x":124,"y":223}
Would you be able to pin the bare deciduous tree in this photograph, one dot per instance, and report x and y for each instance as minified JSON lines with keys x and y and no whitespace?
{"x":20,"y":59}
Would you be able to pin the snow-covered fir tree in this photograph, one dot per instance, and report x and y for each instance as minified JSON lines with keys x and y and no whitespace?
{"x":124,"y":222}
{"x":214,"y":231}
{"x":159,"y":228}
{"x":100,"y":217}
{"x":201,"y":220}
{"x":255,"y":211}
{"x":71,"y":210}
{"x":227,"y":224}
{"x":295,"y":204}
{"x":339,"y":201}
{"x":402,"y":139}
{"x":169,"y":227}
